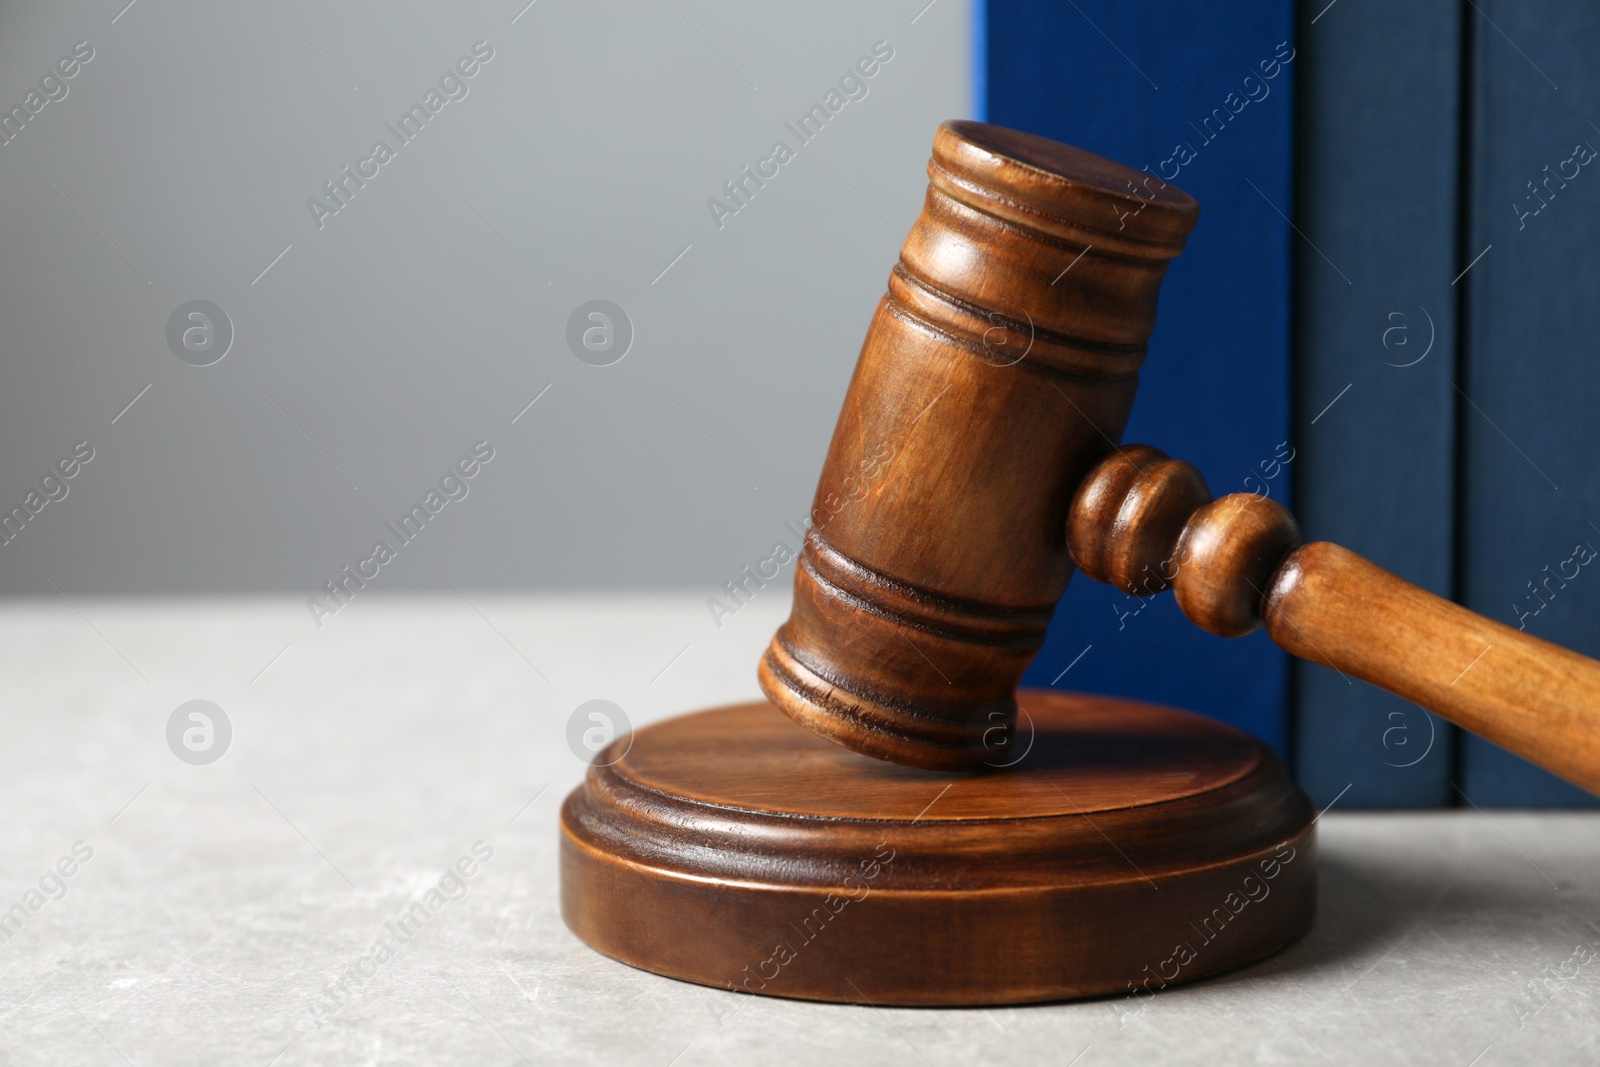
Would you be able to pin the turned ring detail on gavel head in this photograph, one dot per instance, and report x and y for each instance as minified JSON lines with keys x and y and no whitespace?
{"x":998,"y":369}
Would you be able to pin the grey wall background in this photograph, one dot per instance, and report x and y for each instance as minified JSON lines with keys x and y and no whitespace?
{"x":370,"y":354}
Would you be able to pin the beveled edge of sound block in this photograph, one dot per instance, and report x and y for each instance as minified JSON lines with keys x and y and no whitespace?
{"x":1133,"y":848}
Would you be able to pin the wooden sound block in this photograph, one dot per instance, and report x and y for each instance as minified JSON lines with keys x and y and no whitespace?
{"x":1129,"y":848}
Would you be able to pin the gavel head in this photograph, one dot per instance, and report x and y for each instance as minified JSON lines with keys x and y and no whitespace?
{"x":998,"y":369}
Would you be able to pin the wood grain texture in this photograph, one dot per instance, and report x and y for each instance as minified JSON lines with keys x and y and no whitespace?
{"x":1130,"y":847}
{"x":998,"y":368}
{"x":1237,"y":562}
{"x":1536,"y":699}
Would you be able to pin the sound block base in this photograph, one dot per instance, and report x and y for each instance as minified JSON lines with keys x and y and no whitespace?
{"x":1132,"y":847}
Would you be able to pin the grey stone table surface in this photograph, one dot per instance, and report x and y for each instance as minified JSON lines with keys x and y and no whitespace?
{"x":244,"y":911}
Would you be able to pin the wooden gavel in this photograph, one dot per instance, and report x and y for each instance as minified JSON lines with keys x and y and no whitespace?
{"x":976,"y":460}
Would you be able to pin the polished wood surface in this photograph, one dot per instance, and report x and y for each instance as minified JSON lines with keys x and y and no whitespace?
{"x":1084,"y":845}
{"x":998,"y":368}
{"x":1144,"y":522}
{"x":1130,"y":847}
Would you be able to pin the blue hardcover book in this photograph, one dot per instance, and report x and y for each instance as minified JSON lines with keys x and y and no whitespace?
{"x":1375,"y":314}
{"x":1201,"y":94}
{"x":1530,"y":382}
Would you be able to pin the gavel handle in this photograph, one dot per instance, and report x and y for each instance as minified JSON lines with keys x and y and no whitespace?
{"x":1145,"y":523}
{"x":1539,"y":700}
